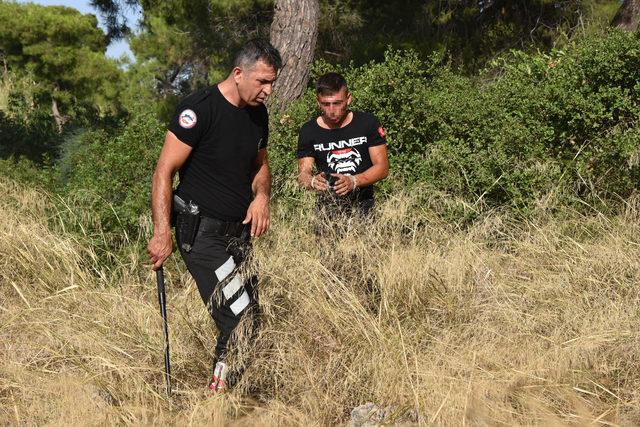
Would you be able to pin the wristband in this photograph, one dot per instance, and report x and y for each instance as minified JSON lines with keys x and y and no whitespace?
{"x":353,"y":181}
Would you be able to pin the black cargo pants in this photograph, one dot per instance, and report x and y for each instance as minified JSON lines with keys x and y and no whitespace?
{"x":218,"y":251}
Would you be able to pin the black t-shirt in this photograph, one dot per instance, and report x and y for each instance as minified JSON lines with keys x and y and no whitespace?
{"x":344,"y":150}
{"x":225,"y":140}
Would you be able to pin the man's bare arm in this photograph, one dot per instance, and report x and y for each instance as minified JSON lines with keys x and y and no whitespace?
{"x":377,"y":172}
{"x":379,"y":169}
{"x":173,"y":155}
{"x":306,"y":178}
{"x":258,"y":211}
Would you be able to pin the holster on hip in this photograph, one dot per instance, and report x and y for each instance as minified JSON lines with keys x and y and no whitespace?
{"x":187,"y":221}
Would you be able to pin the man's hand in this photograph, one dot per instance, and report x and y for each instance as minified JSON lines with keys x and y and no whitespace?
{"x":345,"y":184}
{"x":173,"y":155}
{"x":258,"y":215}
{"x":159,"y":248}
{"x":319,"y":182}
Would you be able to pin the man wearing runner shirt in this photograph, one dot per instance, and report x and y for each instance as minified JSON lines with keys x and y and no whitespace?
{"x":217,"y":142}
{"x":347,"y":148}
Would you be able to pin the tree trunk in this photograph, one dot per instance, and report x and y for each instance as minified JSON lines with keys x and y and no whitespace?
{"x":294,"y":32}
{"x":59,"y":118}
{"x":628,"y":16}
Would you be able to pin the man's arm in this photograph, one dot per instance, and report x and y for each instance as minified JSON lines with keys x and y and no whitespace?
{"x":305,"y":177}
{"x":377,"y":172}
{"x":258,"y":211}
{"x":173,"y":155}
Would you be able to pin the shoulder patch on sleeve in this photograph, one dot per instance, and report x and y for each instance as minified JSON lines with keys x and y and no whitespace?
{"x":381,"y":132}
{"x":187,"y":119}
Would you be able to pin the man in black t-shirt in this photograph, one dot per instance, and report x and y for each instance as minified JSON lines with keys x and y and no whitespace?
{"x":346,"y":147}
{"x":217,"y":141}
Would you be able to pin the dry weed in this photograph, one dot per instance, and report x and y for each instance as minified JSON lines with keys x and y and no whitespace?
{"x":501,"y":323}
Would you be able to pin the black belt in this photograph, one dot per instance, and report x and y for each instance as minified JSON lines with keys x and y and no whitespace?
{"x":221,"y":228}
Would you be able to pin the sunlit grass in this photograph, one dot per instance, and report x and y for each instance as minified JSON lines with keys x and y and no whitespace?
{"x":502,"y":322}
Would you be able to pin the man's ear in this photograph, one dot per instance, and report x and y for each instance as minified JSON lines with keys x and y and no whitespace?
{"x":237,"y":74}
{"x":348,"y":98}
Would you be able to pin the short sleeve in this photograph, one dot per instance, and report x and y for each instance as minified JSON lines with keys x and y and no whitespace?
{"x":376,"y":133}
{"x":305,"y":145}
{"x":190,"y":122}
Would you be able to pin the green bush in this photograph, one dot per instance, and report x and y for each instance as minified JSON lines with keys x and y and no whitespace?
{"x":25,"y":171}
{"x":109,"y":172}
{"x":545,"y":129}
{"x":530,"y":126}
{"x":33,"y":136}
{"x":29,"y":143}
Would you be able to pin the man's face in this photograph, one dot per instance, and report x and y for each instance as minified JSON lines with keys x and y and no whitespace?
{"x":334,"y":106}
{"x":255,"y":83}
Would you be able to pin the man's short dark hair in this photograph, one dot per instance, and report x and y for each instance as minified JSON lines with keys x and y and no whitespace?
{"x":330,"y":83}
{"x":256,"y":50}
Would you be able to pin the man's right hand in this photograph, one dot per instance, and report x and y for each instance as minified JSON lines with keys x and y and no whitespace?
{"x":173,"y":155}
{"x":159,"y":248}
{"x":319,"y":182}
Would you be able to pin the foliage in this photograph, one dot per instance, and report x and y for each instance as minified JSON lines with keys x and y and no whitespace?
{"x":471,"y":31}
{"x":62,"y":51}
{"x":532,"y":130}
{"x":197,"y":38}
{"x":109,"y":171}
{"x":181,"y":46}
{"x":185,"y":45}
{"x":26,"y":172}
{"x":29,"y":139}
{"x":33,"y":136}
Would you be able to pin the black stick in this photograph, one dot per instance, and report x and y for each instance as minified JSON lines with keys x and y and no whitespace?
{"x":163,"y":312}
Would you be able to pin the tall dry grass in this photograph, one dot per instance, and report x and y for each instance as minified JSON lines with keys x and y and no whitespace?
{"x":503,"y":322}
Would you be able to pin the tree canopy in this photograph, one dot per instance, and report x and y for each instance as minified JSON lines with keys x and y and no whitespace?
{"x":63,"y":52}
{"x":360,"y":30}
{"x":187,"y":44}
{"x":470,"y":31}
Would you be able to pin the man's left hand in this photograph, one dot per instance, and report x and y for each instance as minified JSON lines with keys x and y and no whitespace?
{"x":344,"y":185}
{"x":258,"y":216}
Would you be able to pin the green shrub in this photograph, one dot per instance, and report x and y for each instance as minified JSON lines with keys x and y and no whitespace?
{"x":109,"y":172}
{"x":25,"y":171}
{"x":531,"y":126}
{"x":545,"y":129}
{"x":33,"y":136}
{"x":29,"y":142}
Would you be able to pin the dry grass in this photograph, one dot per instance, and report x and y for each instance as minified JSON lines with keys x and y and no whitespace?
{"x":501,"y":323}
